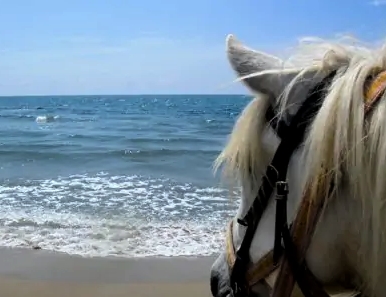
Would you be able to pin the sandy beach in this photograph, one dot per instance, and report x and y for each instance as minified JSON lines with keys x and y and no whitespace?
{"x":41,"y":273}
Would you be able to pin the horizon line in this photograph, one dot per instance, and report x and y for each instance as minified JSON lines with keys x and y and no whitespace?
{"x":131,"y":95}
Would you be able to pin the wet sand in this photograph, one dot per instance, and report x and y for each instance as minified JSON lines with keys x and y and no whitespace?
{"x":41,"y":273}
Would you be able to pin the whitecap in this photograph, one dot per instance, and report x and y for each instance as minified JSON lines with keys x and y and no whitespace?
{"x":46,"y":118}
{"x":104,"y":215}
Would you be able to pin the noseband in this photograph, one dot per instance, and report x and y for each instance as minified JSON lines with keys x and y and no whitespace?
{"x":291,"y":242}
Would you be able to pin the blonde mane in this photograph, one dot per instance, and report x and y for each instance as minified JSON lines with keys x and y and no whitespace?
{"x":340,"y":141}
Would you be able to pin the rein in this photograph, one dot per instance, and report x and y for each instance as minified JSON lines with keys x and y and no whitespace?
{"x":296,"y":238}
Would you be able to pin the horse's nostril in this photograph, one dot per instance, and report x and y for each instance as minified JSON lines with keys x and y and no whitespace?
{"x":214,"y":284}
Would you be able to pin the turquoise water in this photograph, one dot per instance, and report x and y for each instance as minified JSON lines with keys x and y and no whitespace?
{"x":114,"y":175}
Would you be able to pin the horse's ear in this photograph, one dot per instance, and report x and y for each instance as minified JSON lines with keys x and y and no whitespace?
{"x":246,"y":61}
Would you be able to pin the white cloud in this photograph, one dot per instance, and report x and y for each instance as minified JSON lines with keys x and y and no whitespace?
{"x":378,"y":2}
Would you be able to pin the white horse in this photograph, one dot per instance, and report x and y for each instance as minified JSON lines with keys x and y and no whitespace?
{"x":349,"y":244}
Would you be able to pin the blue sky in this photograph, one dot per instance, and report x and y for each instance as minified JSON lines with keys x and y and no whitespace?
{"x":154,"y":46}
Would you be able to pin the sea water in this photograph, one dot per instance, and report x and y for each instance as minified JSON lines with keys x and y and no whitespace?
{"x":115,"y":175}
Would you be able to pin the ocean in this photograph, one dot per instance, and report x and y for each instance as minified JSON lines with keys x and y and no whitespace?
{"x":127,"y":176}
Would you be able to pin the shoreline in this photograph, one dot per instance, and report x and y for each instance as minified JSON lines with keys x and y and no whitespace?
{"x":56,"y":266}
{"x":32,"y":249}
{"x":29,"y":273}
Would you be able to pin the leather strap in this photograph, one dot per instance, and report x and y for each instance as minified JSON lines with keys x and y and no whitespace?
{"x":374,"y":91}
{"x":256,"y":272}
{"x":301,"y":232}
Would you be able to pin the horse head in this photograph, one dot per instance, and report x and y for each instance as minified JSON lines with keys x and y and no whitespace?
{"x":333,"y":93}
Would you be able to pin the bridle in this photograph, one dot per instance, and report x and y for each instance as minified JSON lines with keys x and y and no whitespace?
{"x":291,"y":242}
